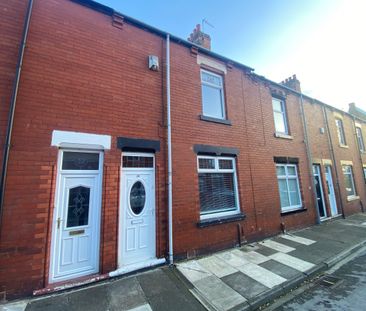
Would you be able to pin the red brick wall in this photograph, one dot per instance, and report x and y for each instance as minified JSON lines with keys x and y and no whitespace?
{"x":79,"y":74}
{"x":249,"y":108}
{"x":348,"y":154}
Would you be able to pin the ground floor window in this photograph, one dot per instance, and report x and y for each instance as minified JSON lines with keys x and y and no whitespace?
{"x":288,"y":185}
{"x":348,"y":180}
{"x":218,"y":189}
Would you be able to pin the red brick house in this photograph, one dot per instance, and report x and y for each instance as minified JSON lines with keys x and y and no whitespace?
{"x":85,"y":189}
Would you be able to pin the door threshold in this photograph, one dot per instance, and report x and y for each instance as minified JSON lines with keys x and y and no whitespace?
{"x":330,"y":217}
{"x":137,"y":266}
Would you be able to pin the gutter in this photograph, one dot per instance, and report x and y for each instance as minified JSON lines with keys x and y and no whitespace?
{"x":169,"y":142}
{"x":13,"y":101}
{"x":310,"y":159}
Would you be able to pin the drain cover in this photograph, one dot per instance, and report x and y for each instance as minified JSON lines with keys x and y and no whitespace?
{"x":329,"y":281}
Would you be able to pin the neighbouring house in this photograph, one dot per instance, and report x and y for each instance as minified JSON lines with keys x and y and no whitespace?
{"x":108,"y":122}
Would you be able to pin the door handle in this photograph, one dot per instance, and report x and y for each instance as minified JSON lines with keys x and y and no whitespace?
{"x":58,"y":222}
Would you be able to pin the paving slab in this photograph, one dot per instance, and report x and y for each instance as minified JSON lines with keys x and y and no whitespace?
{"x":253,"y":257}
{"x":222,"y":296}
{"x":297,"y":239}
{"x":244,"y":285}
{"x":91,"y":299}
{"x":277,"y":246}
{"x":280,"y":269}
{"x":125,"y":294}
{"x":145,"y":307}
{"x":216,"y":266}
{"x":164,"y":292}
{"x":266,"y":251}
{"x":232,"y":259}
{"x":262,"y":275}
{"x":292,"y":261}
{"x":55,"y":303}
{"x":193,"y":271}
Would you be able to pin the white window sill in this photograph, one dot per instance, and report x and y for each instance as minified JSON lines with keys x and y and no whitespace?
{"x":293,"y":210}
{"x":343,"y":146}
{"x":284,"y":136}
{"x":352,"y":198}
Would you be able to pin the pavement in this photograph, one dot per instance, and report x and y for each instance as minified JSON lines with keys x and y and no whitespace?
{"x":243,"y":278}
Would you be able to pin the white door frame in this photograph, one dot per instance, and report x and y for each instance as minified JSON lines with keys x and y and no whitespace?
{"x":122,"y":211}
{"x":319,"y":174}
{"x":58,"y":209}
{"x":329,"y":180}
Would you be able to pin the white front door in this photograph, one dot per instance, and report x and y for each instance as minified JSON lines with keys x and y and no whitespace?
{"x":137,"y":210}
{"x":331,"y":194}
{"x":76,"y":225}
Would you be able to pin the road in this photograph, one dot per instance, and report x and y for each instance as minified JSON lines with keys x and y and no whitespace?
{"x":347,"y":293}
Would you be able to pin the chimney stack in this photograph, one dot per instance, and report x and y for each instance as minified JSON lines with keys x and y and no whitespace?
{"x":200,"y":38}
{"x":292,"y":83}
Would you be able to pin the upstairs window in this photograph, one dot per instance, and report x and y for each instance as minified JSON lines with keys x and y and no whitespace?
{"x":217,"y":186}
{"x":213,"y":104}
{"x":361,"y":144}
{"x":279,"y":114}
{"x":349,"y":181}
{"x":340,"y":132}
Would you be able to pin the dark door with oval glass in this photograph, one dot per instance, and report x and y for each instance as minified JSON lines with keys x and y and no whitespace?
{"x":137,"y":198}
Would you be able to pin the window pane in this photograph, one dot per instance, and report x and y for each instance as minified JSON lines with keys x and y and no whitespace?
{"x":138,"y":161}
{"x":80,"y":161}
{"x":213,"y":79}
{"x":279,"y":122}
{"x":217,"y":192}
{"x":283,"y":193}
{"x":280,"y":171}
{"x":291,"y":170}
{"x":294,"y":193}
{"x":225,"y":164}
{"x":78,"y":209}
{"x":212,"y":102}
{"x":206,"y":163}
{"x":340,"y":131}
{"x":277,"y":105}
{"x":349,"y":184}
{"x":346,"y":169}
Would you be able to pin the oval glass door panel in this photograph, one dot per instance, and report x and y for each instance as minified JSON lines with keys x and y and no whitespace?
{"x":137,"y":197}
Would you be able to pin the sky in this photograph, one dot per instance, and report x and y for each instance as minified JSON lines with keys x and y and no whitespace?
{"x":323,"y":42}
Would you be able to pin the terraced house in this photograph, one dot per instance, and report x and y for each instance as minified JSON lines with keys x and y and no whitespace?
{"x":126,"y":147}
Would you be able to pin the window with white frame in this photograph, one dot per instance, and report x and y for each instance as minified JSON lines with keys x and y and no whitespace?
{"x":213,"y":104}
{"x":218,"y":188}
{"x":361,"y":144}
{"x":279,"y":114}
{"x":348,"y":180}
{"x":340,"y":132}
{"x":288,"y":185}
{"x":364,"y":173}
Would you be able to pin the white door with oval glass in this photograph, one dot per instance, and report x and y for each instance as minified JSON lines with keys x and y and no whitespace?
{"x":137,"y":210}
{"x":76,"y":225}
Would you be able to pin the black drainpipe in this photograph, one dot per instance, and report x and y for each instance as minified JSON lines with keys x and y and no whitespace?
{"x":13,"y":101}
